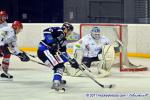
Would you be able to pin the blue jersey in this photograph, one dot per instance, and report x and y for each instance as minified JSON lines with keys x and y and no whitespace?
{"x":54,"y":39}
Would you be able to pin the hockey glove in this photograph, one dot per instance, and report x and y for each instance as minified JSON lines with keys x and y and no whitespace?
{"x":23,"y":57}
{"x":54,"y":47}
{"x":64,"y":56}
{"x":74,"y":63}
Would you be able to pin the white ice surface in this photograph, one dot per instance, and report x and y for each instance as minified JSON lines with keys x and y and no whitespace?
{"x":33,"y":82}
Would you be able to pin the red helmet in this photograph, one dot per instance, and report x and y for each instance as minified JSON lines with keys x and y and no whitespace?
{"x":17,"y":24}
{"x":3,"y":13}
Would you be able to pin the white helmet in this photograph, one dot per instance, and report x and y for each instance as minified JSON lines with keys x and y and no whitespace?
{"x":95,"y":32}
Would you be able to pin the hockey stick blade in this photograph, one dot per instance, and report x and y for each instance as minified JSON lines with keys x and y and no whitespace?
{"x":87,"y":73}
{"x":109,"y":86}
{"x":103,"y":86}
{"x":33,"y":56}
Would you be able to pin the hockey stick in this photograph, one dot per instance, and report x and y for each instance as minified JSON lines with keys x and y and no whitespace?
{"x":92,"y":78}
{"x":38,"y":62}
{"x":84,"y":70}
{"x":32,"y":59}
{"x":75,"y":55}
{"x":87,"y":73}
{"x":33,"y":56}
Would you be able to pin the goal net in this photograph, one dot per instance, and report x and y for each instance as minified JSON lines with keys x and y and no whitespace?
{"x":115,"y":32}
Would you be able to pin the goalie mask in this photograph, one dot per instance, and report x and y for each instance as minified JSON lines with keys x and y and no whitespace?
{"x":95,"y":32}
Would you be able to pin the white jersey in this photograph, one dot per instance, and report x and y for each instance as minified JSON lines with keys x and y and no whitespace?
{"x":90,"y":47}
{"x":3,"y":25}
{"x":8,"y":37}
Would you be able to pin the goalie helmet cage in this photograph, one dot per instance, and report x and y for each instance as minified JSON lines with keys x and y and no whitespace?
{"x":114,"y":32}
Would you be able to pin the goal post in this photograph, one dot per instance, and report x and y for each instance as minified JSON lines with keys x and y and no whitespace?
{"x":115,"y":32}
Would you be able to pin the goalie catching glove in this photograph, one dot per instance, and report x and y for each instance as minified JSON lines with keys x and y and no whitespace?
{"x":23,"y":57}
{"x":117,"y":45}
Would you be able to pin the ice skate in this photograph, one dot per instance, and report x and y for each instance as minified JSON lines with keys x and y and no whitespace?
{"x":63,"y":82}
{"x":6,"y":75}
{"x":59,"y":85}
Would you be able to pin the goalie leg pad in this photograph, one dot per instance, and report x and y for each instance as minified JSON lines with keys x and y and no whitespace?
{"x":104,"y":73}
{"x":108,"y":57}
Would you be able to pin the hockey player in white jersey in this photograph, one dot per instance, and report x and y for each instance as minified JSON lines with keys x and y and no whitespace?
{"x":3,"y":23}
{"x":95,"y":48}
{"x":8,"y":39}
{"x":3,"y":18}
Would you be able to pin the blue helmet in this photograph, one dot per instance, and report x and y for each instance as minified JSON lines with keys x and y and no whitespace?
{"x":95,"y":29}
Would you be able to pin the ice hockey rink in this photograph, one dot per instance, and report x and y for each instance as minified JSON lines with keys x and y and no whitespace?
{"x":32,"y":81}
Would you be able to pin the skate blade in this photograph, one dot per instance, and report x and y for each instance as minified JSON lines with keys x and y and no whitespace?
{"x":62,"y":90}
{"x":6,"y":79}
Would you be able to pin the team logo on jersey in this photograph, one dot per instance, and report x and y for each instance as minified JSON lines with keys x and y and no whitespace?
{"x":4,"y":33}
{"x":50,"y":38}
{"x":87,"y":46}
{"x":92,"y":44}
{"x":50,"y":30}
{"x":60,"y":37}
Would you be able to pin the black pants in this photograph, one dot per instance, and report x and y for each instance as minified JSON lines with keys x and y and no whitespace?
{"x":87,"y":61}
{"x":4,"y":50}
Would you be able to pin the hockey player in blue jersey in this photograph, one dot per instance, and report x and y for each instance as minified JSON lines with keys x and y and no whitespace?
{"x":51,"y":50}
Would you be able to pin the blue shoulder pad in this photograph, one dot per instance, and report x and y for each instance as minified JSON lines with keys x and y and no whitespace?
{"x":49,"y":38}
{"x":42,"y":47}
